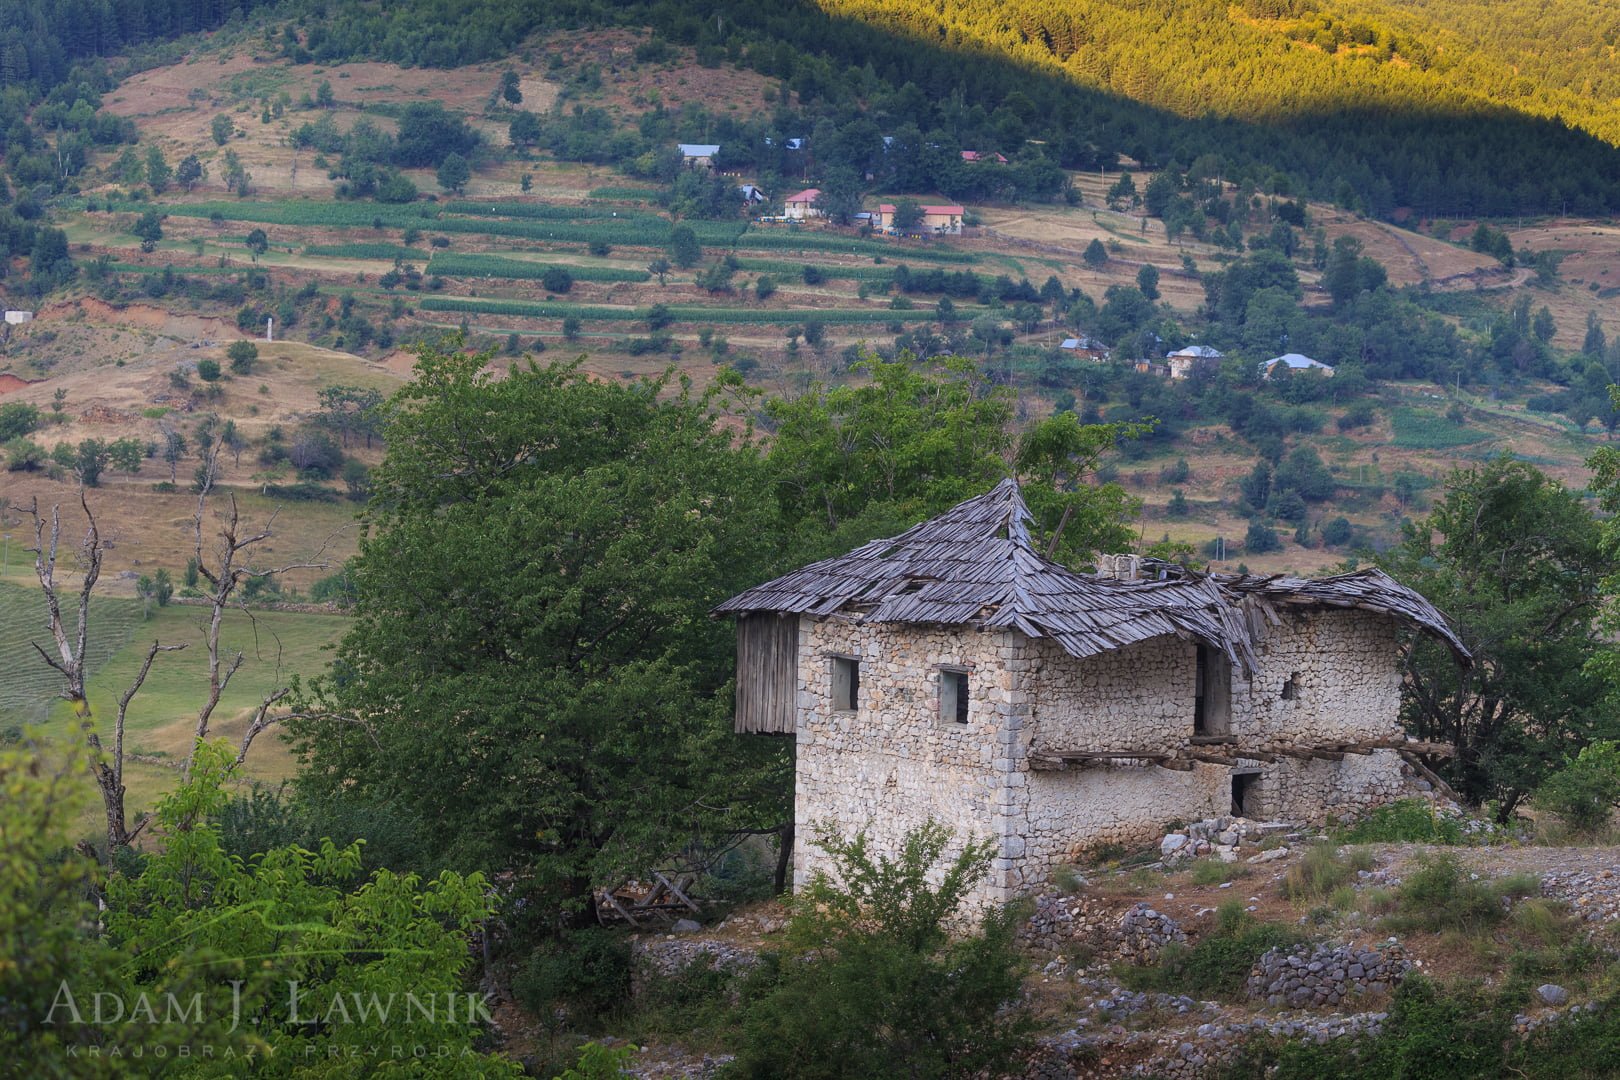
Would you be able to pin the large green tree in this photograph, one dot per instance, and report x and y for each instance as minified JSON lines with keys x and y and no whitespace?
{"x":1514,"y":560}
{"x":531,"y":665}
{"x":910,"y":439}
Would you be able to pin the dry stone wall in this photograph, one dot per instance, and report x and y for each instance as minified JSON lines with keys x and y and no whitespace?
{"x":1324,"y":677}
{"x":1061,"y":924}
{"x":1139,"y":698}
{"x":895,"y":762}
{"x":1323,"y":977}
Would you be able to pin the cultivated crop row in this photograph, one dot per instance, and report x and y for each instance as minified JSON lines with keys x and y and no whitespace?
{"x":544,"y":309}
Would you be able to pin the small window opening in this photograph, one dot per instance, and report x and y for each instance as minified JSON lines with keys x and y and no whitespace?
{"x":1212,"y":693}
{"x":1245,"y":794}
{"x":1290,"y":687}
{"x":846,"y":683}
{"x":953,"y":696}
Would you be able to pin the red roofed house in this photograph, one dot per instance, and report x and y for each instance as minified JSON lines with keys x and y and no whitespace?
{"x":803,"y":205}
{"x":973,"y":156}
{"x":939,"y":220}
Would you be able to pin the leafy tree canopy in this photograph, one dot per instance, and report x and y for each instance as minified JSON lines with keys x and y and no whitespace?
{"x":1515,"y":561}
{"x":532,"y":666}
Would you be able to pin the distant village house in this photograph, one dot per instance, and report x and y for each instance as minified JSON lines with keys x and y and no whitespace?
{"x":1086,"y":347}
{"x":752,"y":195}
{"x":1294,"y":363}
{"x":954,"y":673}
{"x":943,"y":220}
{"x":699,"y":155}
{"x":802,"y":207}
{"x":973,"y":157}
{"x":1184,"y":363}
{"x":17,"y":318}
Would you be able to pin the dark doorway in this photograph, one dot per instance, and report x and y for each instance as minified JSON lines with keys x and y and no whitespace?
{"x":1245,"y":793}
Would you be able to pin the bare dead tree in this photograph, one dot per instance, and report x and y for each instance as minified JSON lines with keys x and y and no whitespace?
{"x":227,"y":567}
{"x":70,"y":659}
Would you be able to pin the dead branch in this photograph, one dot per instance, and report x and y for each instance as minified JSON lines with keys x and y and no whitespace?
{"x":70,"y":659}
{"x":261,"y":720}
{"x":225,"y":574}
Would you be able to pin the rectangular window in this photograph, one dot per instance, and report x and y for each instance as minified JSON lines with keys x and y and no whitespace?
{"x":953,"y":696}
{"x":1212,"y":693}
{"x":846,"y":683}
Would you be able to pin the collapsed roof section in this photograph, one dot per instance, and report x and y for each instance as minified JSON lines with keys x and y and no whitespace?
{"x":977,"y":565}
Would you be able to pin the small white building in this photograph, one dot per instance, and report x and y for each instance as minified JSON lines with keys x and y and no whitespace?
{"x":17,"y":318}
{"x":1294,"y":363}
{"x":1183,"y":362}
{"x":751,"y":194}
{"x":802,"y":207}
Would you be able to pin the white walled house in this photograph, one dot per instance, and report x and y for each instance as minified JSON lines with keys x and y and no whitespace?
{"x":1184,"y":362}
{"x":954,"y":673}
{"x":802,"y":206}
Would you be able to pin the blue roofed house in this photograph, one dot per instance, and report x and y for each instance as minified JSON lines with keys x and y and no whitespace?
{"x":1184,"y":362}
{"x":1296,"y":362}
{"x":1085,"y":345}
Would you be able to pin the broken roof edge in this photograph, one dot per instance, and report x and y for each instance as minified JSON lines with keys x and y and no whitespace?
{"x":1368,"y":589}
{"x":977,"y":565}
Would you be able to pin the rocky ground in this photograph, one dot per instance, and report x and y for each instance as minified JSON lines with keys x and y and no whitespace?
{"x":1094,"y":1026}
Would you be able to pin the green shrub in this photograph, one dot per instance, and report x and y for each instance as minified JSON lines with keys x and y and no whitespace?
{"x":17,"y":420}
{"x":598,"y":1062}
{"x":1214,"y":872}
{"x":24,"y":455}
{"x":1260,"y":539}
{"x":303,"y":491}
{"x":1432,"y":1033}
{"x":1218,"y":966}
{"x":1441,"y":895}
{"x":873,"y":984}
{"x":1406,"y":821}
{"x":1585,"y":792}
{"x":1322,"y":870}
{"x":585,"y":972}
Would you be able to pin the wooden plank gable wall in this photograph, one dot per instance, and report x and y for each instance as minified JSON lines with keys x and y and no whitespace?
{"x":767,"y":673}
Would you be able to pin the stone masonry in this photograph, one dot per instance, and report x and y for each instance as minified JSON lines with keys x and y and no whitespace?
{"x":1325,"y":676}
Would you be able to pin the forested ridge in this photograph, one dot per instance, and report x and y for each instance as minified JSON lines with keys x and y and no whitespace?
{"x":1386,"y":120}
{"x":1372,"y":106}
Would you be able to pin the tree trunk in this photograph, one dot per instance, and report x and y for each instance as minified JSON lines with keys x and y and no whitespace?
{"x":784,"y":859}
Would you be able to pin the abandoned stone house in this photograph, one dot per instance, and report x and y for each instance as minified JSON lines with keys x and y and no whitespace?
{"x":954,"y":673}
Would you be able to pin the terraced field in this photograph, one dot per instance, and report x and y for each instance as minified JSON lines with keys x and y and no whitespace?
{"x":27,"y":687}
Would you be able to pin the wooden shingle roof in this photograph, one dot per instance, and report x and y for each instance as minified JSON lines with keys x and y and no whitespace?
{"x":976,"y":565}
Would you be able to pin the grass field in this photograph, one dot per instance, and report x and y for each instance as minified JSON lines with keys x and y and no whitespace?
{"x":162,"y":717}
{"x":29,"y":687}
{"x":1419,"y":429}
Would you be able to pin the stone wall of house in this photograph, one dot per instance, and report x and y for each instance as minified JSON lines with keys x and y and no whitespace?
{"x":1069,"y":812}
{"x":896,"y":762}
{"x":1324,"y":677}
{"x":1320,"y":791}
{"x":1139,"y":698}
